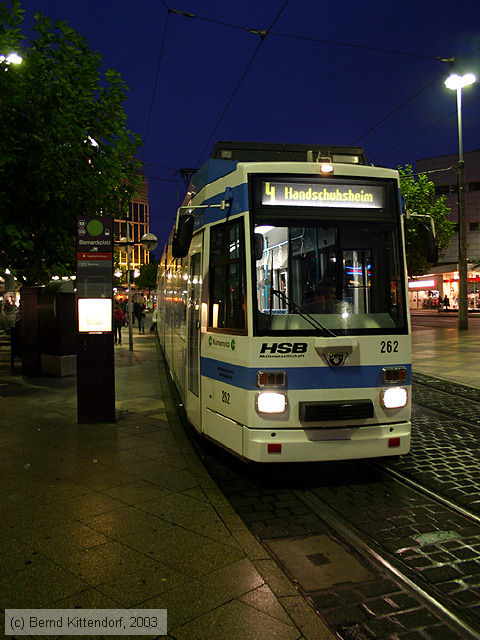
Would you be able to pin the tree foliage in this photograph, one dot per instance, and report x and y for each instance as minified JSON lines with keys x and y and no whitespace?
{"x":419,"y":193}
{"x":55,"y":106}
{"x":147,"y":280}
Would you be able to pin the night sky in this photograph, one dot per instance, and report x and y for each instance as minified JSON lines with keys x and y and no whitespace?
{"x":343,"y":72}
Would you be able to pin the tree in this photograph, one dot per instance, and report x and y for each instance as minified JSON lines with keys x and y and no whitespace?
{"x":419,"y":193}
{"x":64,"y":147}
{"x":147,"y":280}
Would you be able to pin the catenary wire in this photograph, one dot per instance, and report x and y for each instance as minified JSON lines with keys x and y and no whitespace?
{"x":249,"y":64}
{"x":405,"y":102}
{"x":159,"y":166}
{"x":311,"y":39}
{"x":339,"y":43}
{"x":418,"y":133}
{"x":157,"y":73}
{"x":400,"y":106}
{"x":295,"y":36}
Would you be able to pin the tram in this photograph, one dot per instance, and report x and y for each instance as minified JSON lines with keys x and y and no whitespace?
{"x":283,"y":307}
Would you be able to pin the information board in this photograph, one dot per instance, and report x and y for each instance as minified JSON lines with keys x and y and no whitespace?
{"x":94,"y":273}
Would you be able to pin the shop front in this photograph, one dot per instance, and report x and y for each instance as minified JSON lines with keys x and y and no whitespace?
{"x":425,"y":292}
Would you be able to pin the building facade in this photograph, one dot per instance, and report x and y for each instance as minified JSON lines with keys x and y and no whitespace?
{"x":443,"y":279}
{"x":138,"y":221}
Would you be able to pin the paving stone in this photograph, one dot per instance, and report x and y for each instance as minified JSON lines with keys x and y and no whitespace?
{"x":379,"y":607}
{"x":383,"y":627}
{"x":344,"y":615}
{"x":440,"y":574}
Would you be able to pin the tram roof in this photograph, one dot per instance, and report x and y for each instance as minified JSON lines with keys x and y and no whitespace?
{"x":280,"y":152}
{"x":227,"y":154}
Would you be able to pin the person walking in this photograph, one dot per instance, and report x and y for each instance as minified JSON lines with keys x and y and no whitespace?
{"x":119,"y":321}
{"x":446,"y":303}
{"x":140,"y":311}
{"x":136,"y":311}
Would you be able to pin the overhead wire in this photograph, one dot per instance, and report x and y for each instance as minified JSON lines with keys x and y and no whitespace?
{"x":352,"y":45}
{"x":162,"y":179}
{"x":297,"y":36}
{"x":159,"y":166}
{"x":263,"y":35}
{"x":400,"y":106}
{"x":155,"y":84}
{"x":412,"y":97}
{"x":418,"y":133}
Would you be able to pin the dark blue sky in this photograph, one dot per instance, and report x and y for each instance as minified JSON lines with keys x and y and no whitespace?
{"x":334,"y":72}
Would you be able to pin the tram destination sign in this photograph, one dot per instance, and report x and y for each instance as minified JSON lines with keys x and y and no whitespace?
{"x":333,"y":194}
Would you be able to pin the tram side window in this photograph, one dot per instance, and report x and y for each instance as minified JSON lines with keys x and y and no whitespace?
{"x":227,"y":277}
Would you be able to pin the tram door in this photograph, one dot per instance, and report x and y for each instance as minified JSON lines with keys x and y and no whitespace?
{"x":194,"y":296}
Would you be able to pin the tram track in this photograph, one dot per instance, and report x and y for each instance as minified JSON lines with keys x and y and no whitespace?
{"x":354,"y":507}
{"x":440,"y":597}
{"x":446,"y":386}
{"x":402,"y":517}
{"x":447,"y":398}
{"x":461,"y":510}
{"x":464,"y":623}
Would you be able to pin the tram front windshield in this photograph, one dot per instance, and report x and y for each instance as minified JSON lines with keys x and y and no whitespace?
{"x":342,"y":278}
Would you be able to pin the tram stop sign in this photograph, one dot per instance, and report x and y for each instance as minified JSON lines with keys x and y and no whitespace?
{"x":94,"y":273}
{"x":95,"y":352}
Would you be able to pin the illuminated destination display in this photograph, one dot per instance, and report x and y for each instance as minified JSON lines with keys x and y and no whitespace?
{"x":304,"y":194}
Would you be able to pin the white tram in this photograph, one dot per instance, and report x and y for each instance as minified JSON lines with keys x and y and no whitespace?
{"x":266,"y":367}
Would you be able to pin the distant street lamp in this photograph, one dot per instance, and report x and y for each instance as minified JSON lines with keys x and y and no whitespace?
{"x":12,"y":58}
{"x":456,"y":83}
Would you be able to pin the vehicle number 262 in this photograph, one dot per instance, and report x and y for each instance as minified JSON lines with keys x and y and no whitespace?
{"x":389,"y":346}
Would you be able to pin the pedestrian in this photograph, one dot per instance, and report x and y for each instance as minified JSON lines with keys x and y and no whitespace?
{"x":119,"y":321}
{"x":136,"y":310}
{"x":141,"y":310}
{"x":446,"y":303}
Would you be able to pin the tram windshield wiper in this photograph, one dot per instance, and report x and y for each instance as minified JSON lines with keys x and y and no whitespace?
{"x":303,"y":314}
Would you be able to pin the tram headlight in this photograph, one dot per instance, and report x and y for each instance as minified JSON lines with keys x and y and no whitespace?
{"x":271,"y":402}
{"x":394,"y":397}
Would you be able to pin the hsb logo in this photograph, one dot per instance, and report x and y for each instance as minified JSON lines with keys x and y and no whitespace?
{"x":284,"y":347}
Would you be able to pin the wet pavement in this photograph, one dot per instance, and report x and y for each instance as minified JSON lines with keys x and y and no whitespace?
{"x":109,"y":516}
{"x":142,"y":513}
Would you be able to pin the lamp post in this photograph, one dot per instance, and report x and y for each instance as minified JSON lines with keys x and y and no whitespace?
{"x":456,"y":83}
{"x":148,"y":242}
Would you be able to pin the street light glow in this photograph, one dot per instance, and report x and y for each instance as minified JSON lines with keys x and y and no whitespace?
{"x":454,"y":81}
{"x":12,"y":58}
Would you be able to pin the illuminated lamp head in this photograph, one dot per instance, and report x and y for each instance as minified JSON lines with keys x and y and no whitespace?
{"x":326,"y":168}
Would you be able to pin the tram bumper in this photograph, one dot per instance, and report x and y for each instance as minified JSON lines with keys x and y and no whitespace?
{"x":319,"y":444}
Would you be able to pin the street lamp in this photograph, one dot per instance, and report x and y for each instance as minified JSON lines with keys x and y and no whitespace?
{"x":456,"y":83}
{"x":12,"y":58}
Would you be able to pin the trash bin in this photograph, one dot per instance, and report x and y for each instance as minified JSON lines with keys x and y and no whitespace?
{"x":57,"y":329}
{"x":29,"y":331}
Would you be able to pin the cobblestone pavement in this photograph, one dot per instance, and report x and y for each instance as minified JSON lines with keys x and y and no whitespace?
{"x":445,"y":455}
{"x":430,"y":544}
